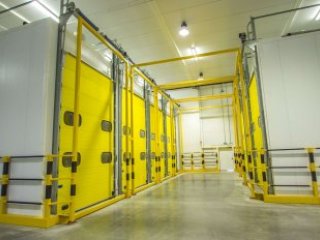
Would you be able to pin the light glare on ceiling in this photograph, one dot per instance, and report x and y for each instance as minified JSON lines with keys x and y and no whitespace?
{"x":46,"y":10}
{"x":140,"y":81}
{"x":184,"y":31}
{"x":3,"y":27}
{"x":14,"y":13}
{"x":318,"y":16}
{"x":107,"y":55}
{"x":194,"y":52}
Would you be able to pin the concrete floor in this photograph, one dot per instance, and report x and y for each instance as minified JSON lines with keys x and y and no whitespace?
{"x":192,"y":206}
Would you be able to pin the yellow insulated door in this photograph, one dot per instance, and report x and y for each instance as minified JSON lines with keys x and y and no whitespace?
{"x":95,"y":172}
{"x":169,"y":142}
{"x":140,"y":158}
{"x":153,"y":144}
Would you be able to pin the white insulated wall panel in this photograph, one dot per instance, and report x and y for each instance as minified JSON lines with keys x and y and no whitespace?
{"x":290,"y":84}
{"x":191,"y":132}
{"x":17,"y":191}
{"x":27,"y":76}
{"x":213,"y":132}
{"x":27,"y":85}
{"x":217,"y":131}
{"x":290,"y":70}
{"x":27,"y":168}
{"x":24,"y":209}
{"x":216,"y":122}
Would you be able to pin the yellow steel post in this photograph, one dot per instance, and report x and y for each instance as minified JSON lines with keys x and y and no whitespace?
{"x":218,"y":161}
{"x":127,"y":154}
{"x":313,"y":172}
{"x":173,"y":164}
{"x":76,"y":122}
{"x":265,"y":184}
{"x":4,"y":183}
{"x":235,"y":126}
{"x":172,"y":139}
{"x":174,"y":129}
{"x":239,"y":136}
{"x":182,"y":163}
{"x":246,"y":148}
{"x":203,"y":161}
{"x":157,"y":137}
{"x":180,"y":139}
{"x":236,"y":116}
{"x":132,"y":132}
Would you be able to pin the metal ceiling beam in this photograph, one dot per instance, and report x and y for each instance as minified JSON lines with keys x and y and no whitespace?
{"x":197,"y":83}
{"x":203,"y":98}
{"x":208,"y":54}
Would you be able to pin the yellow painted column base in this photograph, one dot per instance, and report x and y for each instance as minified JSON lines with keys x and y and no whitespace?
{"x":291,"y":199}
{"x":29,"y":221}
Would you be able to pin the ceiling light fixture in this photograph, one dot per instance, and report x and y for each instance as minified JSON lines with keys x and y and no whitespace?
{"x":201,"y":76}
{"x":45,"y":9}
{"x":184,"y":31}
{"x":14,"y":13}
{"x":318,"y":16}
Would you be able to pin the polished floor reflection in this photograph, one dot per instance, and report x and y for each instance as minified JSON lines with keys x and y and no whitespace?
{"x":193,"y":206}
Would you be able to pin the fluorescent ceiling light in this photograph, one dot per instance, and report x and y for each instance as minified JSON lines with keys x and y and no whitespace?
{"x":184,"y":31}
{"x":318,"y":16}
{"x":15,"y":13}
{"x":46,"y":10}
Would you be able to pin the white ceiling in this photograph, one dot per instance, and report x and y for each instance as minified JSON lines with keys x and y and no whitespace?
{"x":148,"y":29}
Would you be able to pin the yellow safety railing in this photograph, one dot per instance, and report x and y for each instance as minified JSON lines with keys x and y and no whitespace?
{"x":200,"y":162}
{"x":311,"y":167}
